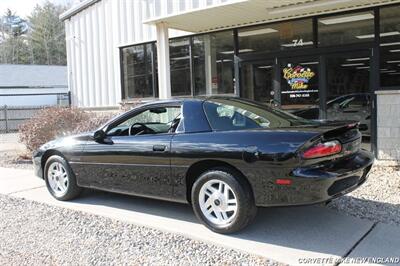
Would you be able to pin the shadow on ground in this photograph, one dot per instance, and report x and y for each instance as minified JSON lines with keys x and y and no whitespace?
{"x":308,"y":228}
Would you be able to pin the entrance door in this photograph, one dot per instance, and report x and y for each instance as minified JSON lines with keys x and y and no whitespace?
{"x":288,"y":83}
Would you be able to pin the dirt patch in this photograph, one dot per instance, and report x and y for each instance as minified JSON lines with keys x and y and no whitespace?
{"x":12,"y":153}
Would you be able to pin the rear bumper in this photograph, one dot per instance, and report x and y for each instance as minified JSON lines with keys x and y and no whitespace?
{"x":322,"y":182}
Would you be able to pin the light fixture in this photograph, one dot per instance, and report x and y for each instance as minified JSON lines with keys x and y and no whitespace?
{"x":240,"y":51}
{"x":357,"y":59}
{"x":296,"y":44}
{"x":388,"y":71}
{"x":183,"y":43}
{"x":265,"y":67}
{"x":256,"y":32}
{"x":289,"y":8}
{"x":362,"y":67}
{"x":383,"y":69}
{"x":338,"y":20}
{"x":223,"y":60}
{"x":390,"y":43}
{"x":180,"y":58}
{"x":384,"y":34}
{"x":355,"y":64}
{"x":393,"y":61}
{"x":394,"y":51}
{"x":397,"y":73}
{"x":309,"y":63}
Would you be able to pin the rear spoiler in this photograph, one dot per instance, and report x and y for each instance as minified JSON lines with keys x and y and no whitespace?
{"x":346,"y":132}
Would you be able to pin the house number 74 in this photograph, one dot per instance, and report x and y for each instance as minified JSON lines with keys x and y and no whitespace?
{"x":298,"y":42}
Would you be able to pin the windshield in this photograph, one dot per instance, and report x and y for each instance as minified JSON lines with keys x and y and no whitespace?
{"x":236,"y":114}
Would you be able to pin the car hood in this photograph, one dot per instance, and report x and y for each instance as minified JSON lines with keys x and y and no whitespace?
{"x":67,"y":141}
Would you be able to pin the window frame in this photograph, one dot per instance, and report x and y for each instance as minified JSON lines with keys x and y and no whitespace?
{"x":154,"y":70}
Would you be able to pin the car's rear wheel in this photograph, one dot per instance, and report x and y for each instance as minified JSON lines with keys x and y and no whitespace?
{"x":60,"y":180}
{"x":223,"y":201}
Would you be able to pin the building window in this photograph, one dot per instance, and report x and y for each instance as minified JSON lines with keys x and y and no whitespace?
{"x":346,"y":29}
{"x":138,"y":72}
{"x":179,"y":50}
{"x":213,"y":65}
{"x":390,"y":46}
{"x":277,"y":36}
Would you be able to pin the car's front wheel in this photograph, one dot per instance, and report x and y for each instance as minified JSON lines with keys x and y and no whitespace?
{"x":223,"y":201}
{"x":60,"y":180}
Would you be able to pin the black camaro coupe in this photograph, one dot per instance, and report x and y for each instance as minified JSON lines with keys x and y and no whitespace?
{"x":223,"y":155}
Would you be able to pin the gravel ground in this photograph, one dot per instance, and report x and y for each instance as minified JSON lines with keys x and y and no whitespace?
{"x":38,"y":234}
{"x":378,"y":199}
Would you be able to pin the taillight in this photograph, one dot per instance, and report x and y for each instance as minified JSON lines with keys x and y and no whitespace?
{"x":322,"y":150}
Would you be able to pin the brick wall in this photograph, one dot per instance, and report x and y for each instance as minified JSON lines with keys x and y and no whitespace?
{"x":388,"y":118}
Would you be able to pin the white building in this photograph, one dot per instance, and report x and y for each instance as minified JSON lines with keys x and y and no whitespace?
{"x":33,"y":85}
{"x":299,"y":55}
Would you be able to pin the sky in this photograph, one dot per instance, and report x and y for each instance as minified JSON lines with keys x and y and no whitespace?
{"x":23,"y":8}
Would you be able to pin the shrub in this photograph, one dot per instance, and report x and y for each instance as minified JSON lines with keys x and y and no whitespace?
{"x":53,"y":122}
{"x":95,"y":121}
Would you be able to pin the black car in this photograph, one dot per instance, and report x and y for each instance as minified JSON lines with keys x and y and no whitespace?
{"x":223,"y":155}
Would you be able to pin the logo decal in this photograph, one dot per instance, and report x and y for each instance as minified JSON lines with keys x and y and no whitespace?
{"x":297,"y":77}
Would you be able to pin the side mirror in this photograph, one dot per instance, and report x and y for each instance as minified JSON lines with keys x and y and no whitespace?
{"x":336,"y":106}
{"x":99,"y":135}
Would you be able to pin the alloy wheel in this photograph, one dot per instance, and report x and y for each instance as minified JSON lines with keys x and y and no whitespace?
{"x":58,"y":178}
{"x":218,"y":202}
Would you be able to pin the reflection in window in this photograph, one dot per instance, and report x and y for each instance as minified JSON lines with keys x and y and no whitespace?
{"x":213,"y":63}
{"x":348,"y":92}
{"x":180,"y":66}
{"x":275,"y":37}
{"x":347,"y":74}
{"x":346,"y":29}
{"x":257,"y":80}
{"x":390,"y":46}
{"x":138,"y":71}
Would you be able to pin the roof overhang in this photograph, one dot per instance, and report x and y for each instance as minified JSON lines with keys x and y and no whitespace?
{"x":248,"y":12}
{"x":77,"y":8}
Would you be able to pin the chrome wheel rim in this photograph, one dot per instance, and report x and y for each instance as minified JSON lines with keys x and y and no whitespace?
{"x":218,"y":202}
{"x":58,"y":179}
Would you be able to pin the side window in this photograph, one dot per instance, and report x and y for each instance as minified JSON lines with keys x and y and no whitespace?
{"x":229,"y":117}
{"x":155,"y":120}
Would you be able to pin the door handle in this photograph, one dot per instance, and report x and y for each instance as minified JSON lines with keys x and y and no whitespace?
{"x":159,"y":147}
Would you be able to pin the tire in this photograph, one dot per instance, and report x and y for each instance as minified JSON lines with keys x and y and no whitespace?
{"x":60,"y":179}
{"x":217,"y":210}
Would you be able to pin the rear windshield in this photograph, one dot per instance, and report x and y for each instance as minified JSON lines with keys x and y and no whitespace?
{"x":237,"y":114}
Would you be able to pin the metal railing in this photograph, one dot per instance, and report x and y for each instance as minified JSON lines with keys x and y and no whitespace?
{"x":13,"y":116}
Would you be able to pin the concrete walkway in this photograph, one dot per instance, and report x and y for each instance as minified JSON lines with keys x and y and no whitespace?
{"x":296,"y":235}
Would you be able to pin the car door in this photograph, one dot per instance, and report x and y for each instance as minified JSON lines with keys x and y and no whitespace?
{"x":136,"y":163}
